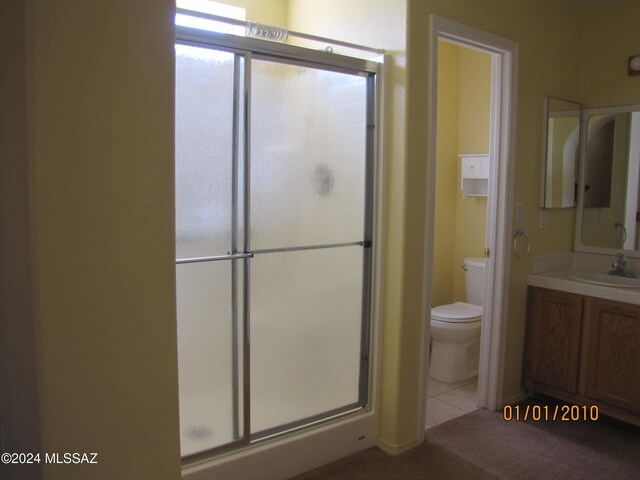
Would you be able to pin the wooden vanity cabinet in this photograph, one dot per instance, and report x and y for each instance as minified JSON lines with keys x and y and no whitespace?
{"x":612,"y":353}
{"x":584,"y":350}
{"x":555,"y":324}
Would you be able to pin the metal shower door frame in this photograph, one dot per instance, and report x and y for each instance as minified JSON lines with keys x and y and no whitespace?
{"x":245,"y":50}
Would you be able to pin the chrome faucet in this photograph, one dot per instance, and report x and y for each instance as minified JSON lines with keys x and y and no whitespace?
{"x":619,"y":267}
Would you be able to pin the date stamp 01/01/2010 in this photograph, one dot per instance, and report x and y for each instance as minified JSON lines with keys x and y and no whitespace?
{"x":553,"y":413}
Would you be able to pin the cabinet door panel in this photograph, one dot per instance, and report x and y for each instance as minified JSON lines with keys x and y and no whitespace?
{"x":554,"y":343}
{"x":613,"y":359}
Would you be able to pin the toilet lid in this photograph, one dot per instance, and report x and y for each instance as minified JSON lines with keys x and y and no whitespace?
{"x":458,"y":312}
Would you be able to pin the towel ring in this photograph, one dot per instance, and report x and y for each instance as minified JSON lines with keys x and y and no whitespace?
{"x":520,"y":234}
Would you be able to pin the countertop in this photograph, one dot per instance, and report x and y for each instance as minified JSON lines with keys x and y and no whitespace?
{"x":559,"y":280}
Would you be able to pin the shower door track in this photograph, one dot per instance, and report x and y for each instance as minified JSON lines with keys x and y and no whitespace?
{"x":274,"y":51}
{"x":248,"y":25}
{"x":248,"y":49}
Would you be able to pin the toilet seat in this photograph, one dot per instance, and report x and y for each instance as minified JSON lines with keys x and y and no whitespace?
{"x":458,"y":312}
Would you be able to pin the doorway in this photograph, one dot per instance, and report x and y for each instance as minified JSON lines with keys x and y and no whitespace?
{"x":464,"y":100}
{"x":501,"y":147}
{"x":274,"y":236}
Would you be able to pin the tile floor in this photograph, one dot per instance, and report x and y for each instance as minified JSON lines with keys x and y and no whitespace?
{"x":449,"y":400}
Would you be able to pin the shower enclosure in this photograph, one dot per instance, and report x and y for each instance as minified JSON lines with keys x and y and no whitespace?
{"x":274,"y":209}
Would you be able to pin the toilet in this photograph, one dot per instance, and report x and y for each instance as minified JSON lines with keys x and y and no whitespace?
{"x":455,"y":330}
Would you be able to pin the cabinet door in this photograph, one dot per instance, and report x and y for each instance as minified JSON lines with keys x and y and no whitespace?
{"x":613,"y":353}
{"x":474,"y":167}
{"x":554,"y":329}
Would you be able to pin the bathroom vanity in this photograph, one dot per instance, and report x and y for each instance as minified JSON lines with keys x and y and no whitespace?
{"x":584,"y":347}
{"x":582,"y":339}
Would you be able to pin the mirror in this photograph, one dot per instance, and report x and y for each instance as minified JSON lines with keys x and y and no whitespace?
{"x":609,"y":181}
{"x":561,"y":136}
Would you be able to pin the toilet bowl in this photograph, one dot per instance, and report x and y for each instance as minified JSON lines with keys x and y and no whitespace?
{"x":455,"y":330}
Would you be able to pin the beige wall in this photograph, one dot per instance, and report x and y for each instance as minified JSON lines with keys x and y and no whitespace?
{"x":19,"y":417}
{"x":99,"y":145}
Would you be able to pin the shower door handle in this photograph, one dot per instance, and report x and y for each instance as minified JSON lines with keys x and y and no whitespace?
{"x":216,"y":258}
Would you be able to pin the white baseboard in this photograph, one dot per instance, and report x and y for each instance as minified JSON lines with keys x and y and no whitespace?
{"x":517,"y":398}
{"x":396,"y":449}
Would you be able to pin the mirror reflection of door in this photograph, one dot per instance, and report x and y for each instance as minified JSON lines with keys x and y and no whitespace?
{"x":599,"y":156}
{"x":612,"y":176}
{"x":561,"y":153}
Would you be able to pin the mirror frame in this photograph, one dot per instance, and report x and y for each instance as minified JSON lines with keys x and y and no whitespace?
{"x":545,"y":149}
{"x":578,"y":246}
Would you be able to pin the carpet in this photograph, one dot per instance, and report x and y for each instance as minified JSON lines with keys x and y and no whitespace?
{"x":482,"y":445}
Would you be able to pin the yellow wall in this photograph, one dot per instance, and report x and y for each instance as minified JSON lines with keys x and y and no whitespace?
{"x":464,"y":94}
{"x":604,"y":82}
{"x":100,"y":153}
{"x":271,"y":12}
{"x":474,"y":114}
{"x":608,"y":37}
{"x":448,"y":184}
{"x":475,"y":100}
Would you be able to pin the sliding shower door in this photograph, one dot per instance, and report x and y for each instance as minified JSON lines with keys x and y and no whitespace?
{"x":308,"y":165}
{"x":209,"y":234}
{"x":274,"y":178}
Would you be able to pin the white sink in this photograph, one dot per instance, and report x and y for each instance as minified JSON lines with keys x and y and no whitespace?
{"x":604,"y":279}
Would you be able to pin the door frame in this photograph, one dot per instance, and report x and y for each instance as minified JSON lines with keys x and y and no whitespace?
{"x":504,"y":54}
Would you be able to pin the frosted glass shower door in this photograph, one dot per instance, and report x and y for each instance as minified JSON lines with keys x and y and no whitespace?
{"x":308,"y":202}
{"x":209,"y":233}
{"x":273,"y":241}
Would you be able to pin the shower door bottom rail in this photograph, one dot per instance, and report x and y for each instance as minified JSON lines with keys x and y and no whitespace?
{"x":277,"y":432}
{"x":321,"y":418}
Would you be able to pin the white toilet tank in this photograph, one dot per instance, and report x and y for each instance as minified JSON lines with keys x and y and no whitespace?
{"x":474,"y":279}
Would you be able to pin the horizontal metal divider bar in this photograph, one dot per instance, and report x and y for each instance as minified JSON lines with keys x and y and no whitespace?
{"x":307,"y":247}
{"x":216,"y":258}
{"x":240,"y":256}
